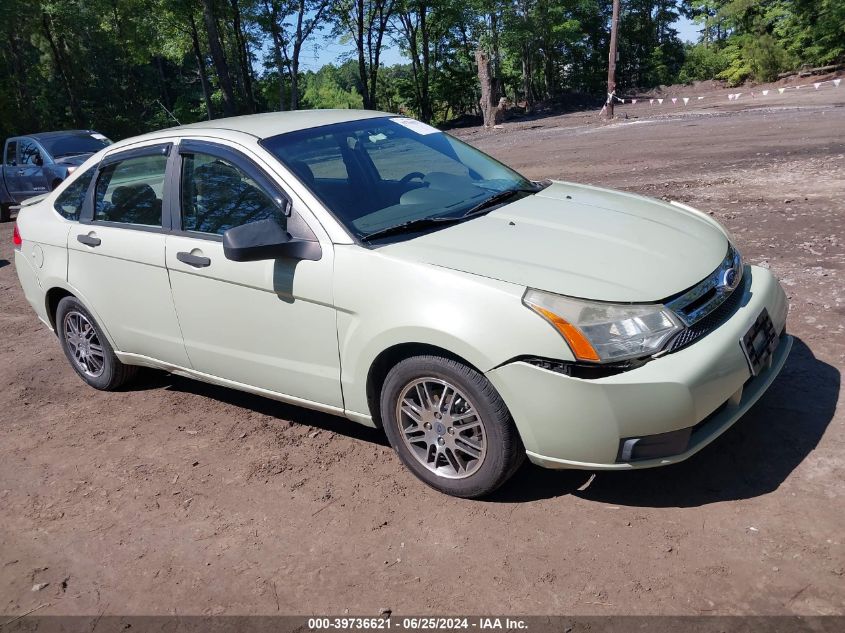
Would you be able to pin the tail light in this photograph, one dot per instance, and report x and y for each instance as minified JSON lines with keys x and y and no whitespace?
{"x":16,"y":238}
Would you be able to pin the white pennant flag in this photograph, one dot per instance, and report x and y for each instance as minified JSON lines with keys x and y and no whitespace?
{"x":634,"y":101}
{"x":765,"y":92}
{"x":780,"y":90}
{"x":674,"y":100}
{"x":836,"y":82}
{"x":817,"y":84}
{"x":731,"y":97}
{"x":686,"y":100}
{"x":660,"y":101}
{"x":651,"y":102}
{"x":700,"y":98}
{"x":737,"y":95}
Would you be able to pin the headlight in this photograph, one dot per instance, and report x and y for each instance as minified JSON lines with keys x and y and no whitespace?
{"x":605,"y":332}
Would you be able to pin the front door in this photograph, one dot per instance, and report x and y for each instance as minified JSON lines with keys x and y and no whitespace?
{"x":266,"y":324}
{"x":116,"y":255}
{"x":31,"y":178}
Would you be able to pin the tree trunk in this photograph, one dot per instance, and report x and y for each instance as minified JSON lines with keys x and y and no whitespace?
{"x":25,"y":105}
{"x":219,"y":59}
{"x":527,"y":72}
{"x":75,"y":110}
{"x":206,"y":88}
{"x":294,"y":79}
{"x":162,"y":83}
{"x":243,"y":56}
{"x":362,"y":64}
{"x":426,"y":113}
{"x":276,"y":34}
{"x":490,"y":109}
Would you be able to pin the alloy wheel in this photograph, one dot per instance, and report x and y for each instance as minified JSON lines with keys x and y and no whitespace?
{"x":84,"y":344}
{"x":441,"y":427}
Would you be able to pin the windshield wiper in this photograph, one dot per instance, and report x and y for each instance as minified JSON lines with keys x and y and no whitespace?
{"x":495,"y":199}
{"x":410,"y":226}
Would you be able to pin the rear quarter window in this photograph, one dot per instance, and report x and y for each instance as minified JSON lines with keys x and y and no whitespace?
{"x":69,"y":202}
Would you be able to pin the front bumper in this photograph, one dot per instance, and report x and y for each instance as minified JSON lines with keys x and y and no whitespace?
{"x":568,"y":422}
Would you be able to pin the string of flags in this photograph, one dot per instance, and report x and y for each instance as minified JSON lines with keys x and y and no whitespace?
{"x":731,"y":97}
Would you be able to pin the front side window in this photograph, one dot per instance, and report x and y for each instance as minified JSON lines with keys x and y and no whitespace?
{"x":384,"y":173}
{"x":130,"y":191}
{"x":29,"y":153}
{"x":217,"y":195}
{"x":69,"y":202}
{"x":12,"y":153}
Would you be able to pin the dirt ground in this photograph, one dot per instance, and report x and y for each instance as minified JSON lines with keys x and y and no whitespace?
{"x":175,"y":497}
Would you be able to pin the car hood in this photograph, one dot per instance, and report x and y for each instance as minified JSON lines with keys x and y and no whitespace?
{"x":580,"y":241}
{"x":76,"y":159}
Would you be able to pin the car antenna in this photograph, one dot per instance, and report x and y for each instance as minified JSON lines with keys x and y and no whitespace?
{"x":169,"y":112}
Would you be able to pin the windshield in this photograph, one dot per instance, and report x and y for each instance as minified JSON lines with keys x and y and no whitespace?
{"x":74,"y":144}
{"x":384,"y":172}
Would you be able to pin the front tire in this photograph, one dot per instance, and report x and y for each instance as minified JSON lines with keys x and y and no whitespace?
{"x":87,"y":349}
{"x":449,"y":426}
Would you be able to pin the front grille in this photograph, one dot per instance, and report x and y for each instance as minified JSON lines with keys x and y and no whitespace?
{"x":711,"y":321}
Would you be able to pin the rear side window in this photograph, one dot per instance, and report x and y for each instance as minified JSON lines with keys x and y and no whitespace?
{"x":217,"y":195}
{"x":29,"y":153}
{"x":11,"y":153}
{"x":130,"y":191}
{"x":69,"y":203}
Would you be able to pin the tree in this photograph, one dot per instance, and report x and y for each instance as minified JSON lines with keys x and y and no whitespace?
{"x":366,"y":22}
{"x":224,"y":80}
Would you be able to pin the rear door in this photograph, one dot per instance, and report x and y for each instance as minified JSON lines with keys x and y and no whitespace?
{"x":267,"y":324}
{"x":31,"y":177}
{"x":116,"y":255}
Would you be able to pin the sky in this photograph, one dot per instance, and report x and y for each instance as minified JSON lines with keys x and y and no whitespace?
{"x":324,"y":49}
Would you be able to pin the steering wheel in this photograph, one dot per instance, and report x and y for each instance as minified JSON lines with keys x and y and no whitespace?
{"x":409,"y":177}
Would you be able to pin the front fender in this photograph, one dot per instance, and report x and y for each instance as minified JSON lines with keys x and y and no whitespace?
{"x":384,"y":301}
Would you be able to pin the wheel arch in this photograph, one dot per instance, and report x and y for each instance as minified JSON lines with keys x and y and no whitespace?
{"x":388,"y":358}
{"x":59,"y":291}
{"x":51,"y":300}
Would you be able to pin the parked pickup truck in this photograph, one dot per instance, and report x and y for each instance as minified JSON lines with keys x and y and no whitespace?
{"x":37,"y":163}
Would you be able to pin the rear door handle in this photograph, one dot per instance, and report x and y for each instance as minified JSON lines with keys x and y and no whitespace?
{"x":193,"y":260}
{"x":89,"y":240}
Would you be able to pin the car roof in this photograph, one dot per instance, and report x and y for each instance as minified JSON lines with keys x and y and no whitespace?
{"x":47,"y":136}
{"x":274,"y":123}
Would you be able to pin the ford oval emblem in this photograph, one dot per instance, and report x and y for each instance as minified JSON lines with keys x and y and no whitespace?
{"x":728,"y":280}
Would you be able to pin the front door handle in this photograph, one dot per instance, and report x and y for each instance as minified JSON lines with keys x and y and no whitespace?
{"x":193,"y":260}
{"x":89,"y":240}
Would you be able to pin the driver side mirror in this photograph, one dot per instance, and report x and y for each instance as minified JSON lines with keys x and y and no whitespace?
{"x":267,"y":239}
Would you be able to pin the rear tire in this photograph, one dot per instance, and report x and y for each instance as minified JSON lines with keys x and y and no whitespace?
{"x":449,"y":426}
{"x":5,"y":212}
{"x":87,"y":349}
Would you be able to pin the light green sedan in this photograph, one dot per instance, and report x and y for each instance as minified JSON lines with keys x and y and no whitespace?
{"x":370,"y":266}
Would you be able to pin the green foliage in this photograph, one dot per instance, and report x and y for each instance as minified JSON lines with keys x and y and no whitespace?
{"x":702,"y":62}
{"x":129,"y":66}
{"x":325,"y":89}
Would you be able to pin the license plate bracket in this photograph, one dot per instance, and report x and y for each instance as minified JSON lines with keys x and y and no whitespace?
{"x":759,"y":343}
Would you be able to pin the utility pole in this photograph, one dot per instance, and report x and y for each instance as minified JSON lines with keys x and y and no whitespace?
{"x":611,"y":62}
